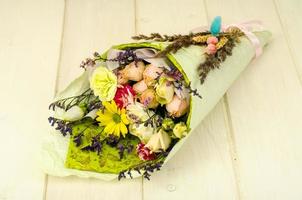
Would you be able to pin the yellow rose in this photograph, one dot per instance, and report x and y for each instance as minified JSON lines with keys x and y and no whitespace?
{"x":180,"y":130}
{"x":103,"y":83}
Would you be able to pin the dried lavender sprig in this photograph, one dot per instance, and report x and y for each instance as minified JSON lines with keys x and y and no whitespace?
{"x":147,"y":167}
{"x":69,"y":102}
{"x":62,"y":126}
{"x":112,"y":140}
{"x":122,"y":148}
{"x":78,"y":139}
{"x":123,"y":58}
{"x":96,"y":145}
{"x":194,"y":92}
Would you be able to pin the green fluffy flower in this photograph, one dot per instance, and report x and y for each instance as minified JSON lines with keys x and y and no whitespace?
{"x":168,"y":124}
{"x":103,"y":83}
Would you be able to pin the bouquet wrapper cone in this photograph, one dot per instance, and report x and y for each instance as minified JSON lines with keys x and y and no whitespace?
{"x":54,"y":148}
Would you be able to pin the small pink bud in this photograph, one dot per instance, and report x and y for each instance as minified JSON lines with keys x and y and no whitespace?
{"x":121,"y":78}
{"x":212,"y":40}
{"x":140,"y":87}
{"x":134,"y":71}
{"x":211,"y":49}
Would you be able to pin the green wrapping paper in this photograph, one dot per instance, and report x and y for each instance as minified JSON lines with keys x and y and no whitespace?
{"x":55,"y":147}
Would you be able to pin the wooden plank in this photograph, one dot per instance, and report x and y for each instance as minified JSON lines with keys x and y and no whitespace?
{"x":202,"y":169}
{"x":290,"y":14}
{"x":265,"y":108}
{"x":30,"y":36}
{"x":92,"y":26}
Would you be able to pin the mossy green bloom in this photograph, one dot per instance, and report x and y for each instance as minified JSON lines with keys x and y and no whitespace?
{"x":168,"y":124}
{"x":103,"y":83}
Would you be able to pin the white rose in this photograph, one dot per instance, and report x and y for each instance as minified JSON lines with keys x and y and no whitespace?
{"x":159,"y":141}
{"x":136,"y":112}
{"x":143,"y":132}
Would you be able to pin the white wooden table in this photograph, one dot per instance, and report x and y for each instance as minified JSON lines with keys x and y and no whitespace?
{"x":249,"y":147}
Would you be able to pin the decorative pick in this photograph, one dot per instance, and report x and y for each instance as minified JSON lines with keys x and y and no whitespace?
{"x":216,"y":26}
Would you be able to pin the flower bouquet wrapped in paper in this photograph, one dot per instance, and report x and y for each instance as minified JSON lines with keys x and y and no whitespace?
{"x":136,"y":104}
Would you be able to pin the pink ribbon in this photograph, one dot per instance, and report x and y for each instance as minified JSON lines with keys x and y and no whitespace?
{"x":247,"y":28}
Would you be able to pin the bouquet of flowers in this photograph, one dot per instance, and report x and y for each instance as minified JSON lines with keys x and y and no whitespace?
{"x":136,"y":104}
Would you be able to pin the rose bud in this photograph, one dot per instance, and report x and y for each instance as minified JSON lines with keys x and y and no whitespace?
{"x":212,"y":40}
{"x":151,"y":73}
{"x":140,"y":87}
{"x":148,"y":98}
{"x":144,"y":133}
{"x":177,"y":107}
{"x":180,"y":130}
{"x":211,"y":49}
{"x":159,"y":141}
{"x":164,"y":91}
{"x":134,"y":71}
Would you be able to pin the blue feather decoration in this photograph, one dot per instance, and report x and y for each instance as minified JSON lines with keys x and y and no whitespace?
{"x":216,"y":26}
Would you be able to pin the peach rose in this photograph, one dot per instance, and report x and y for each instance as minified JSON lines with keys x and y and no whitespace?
{"x":148,"y":98}
{"x":177,"y":107}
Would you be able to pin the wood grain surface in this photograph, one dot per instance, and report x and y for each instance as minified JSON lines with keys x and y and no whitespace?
{"x":248,"y":148}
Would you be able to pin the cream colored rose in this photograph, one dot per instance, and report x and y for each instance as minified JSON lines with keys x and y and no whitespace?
{"x":143,"y":132}
{"x":136,"y":112}
{"x":164,"y":91}
{"x":159,"y":141}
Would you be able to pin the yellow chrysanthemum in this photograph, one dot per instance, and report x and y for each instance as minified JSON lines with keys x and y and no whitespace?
{"x":113,"y":119}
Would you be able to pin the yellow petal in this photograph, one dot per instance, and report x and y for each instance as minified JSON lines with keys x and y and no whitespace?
{"x":117,"y":130}
{"x":109,"y":128}
{"x":104,"y":119}
{"x":107,"y":106}
{"x":124,"y":119}
{"x":124,"y":129}
{"x":99,"y":112}
{"x":113,"y":106}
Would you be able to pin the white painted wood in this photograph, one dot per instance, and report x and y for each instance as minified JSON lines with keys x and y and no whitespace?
{"x":202,"y":169}
{"x":92,"y":189}
{"x":30,"y":35}
{"x":92,"y":26}
{"x":290,"y":16}
{"x":265,"y":109}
